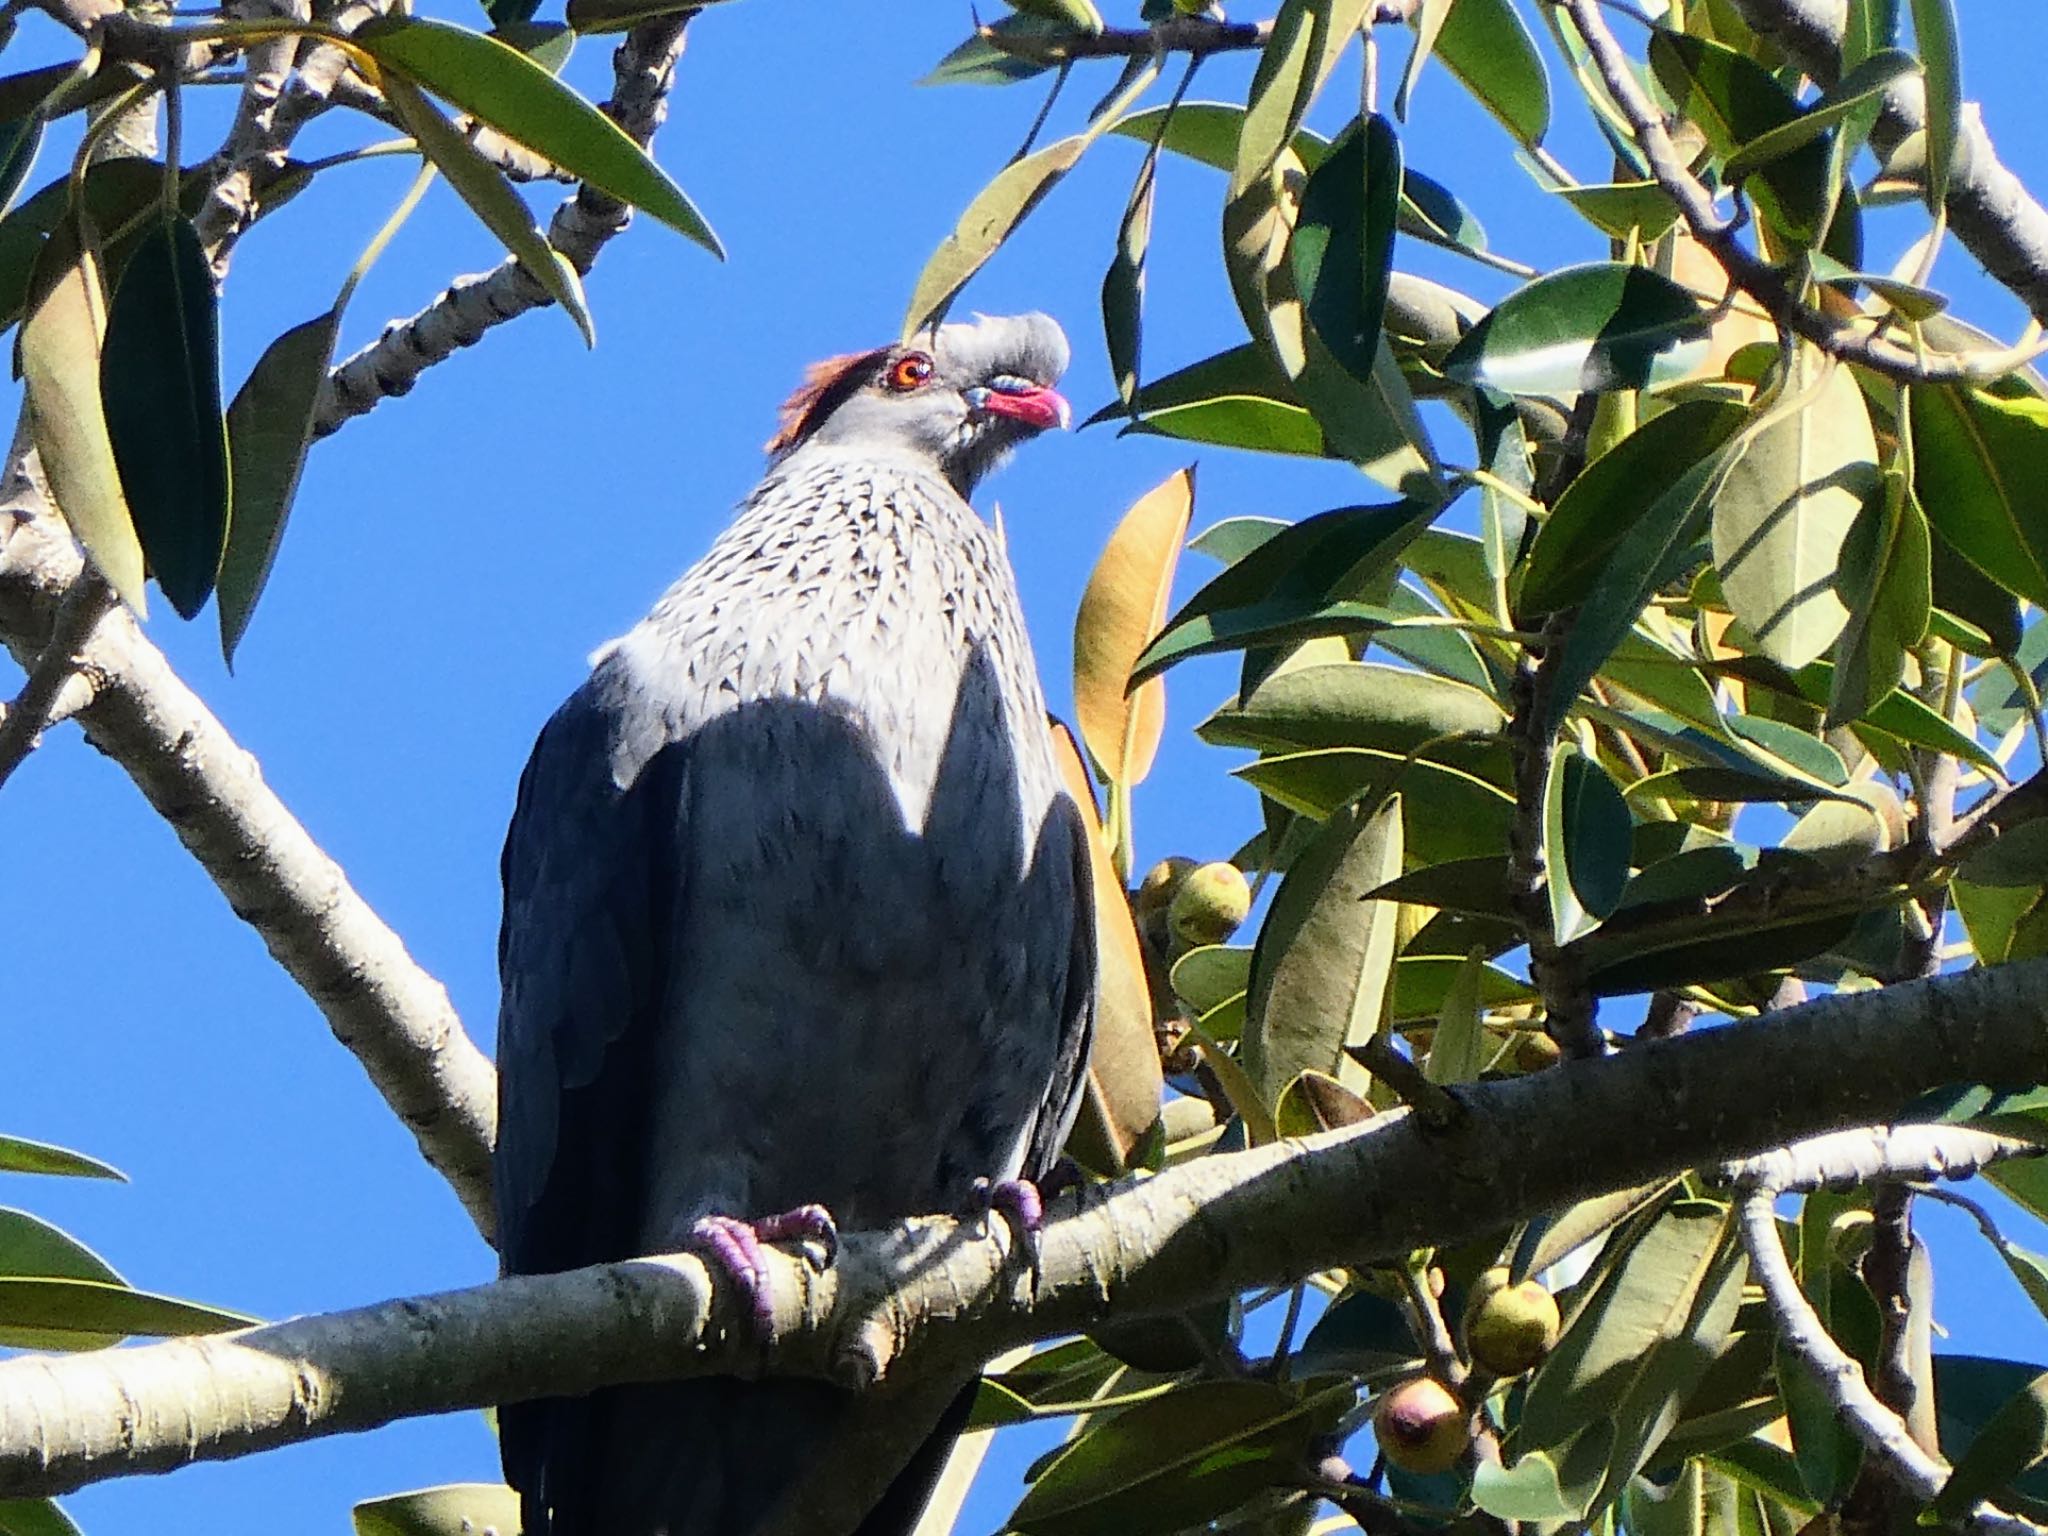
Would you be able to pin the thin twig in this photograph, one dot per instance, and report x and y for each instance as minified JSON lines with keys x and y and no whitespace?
{"x":35,"y":708}
{"x":1756,"y":277}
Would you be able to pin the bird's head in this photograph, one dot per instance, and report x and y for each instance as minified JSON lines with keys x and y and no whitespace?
{"x":960,"y":395}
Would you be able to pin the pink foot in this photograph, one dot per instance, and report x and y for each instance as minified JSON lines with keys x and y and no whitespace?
{"x":1019,"y":1203}
{"x":736,"y":1247}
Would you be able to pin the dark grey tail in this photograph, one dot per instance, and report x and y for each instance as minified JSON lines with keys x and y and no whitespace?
{"x":694,"y":1458}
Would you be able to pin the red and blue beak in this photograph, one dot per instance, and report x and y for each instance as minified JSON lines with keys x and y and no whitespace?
{"x":1034,"y":405}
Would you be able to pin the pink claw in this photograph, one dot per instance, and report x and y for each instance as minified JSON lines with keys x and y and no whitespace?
{"x":736,"y":1247}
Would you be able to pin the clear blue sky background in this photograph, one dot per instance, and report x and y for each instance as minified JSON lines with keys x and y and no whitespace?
{"x":454,"y":557}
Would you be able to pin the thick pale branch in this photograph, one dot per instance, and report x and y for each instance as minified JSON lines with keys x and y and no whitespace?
{"x":644,"y":69}
{"x":381,"y":1005}
{"x":1990,"y":211}
{"x":1843,"y":1159}
{"x":937,"y":1297}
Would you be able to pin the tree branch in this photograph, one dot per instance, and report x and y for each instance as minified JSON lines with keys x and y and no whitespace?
{"x":644,"y":69}
{"x":937,"y":1296}
{"x":1990,"y":210}
{"x":1752,"y":274}
{"x":1882,"y":1432}
{"x":35,"y":708}
{"x":381,"y":1005}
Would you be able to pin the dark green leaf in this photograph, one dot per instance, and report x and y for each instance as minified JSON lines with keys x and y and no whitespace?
{"x":1178,"y":1460}
{"x":1886,"y":583}
{"x":1232,"y":539}
{"x":459,"y":1509}
{"x":34,"y":1517}
{"x":1969,"y":1391}
{"x":1934,"y":30}
{"x":1236,"y":399}
{"x":19,"y":142}
{"x":1343,"y":243}
{"x":1613,"y":493}
{"x":1431,"y":211}
{"x":1486,"y":44}
{"x":20,"y":1156}
{"x":1977,"y":463}
{"x":1293,"y":586}
{"x":116,"y":191}
{"x":1602,"y":326}
{"x":270,"y":427}
{"x":504,"y":88}
{"x":1586,"y":836}
{"x":160,"y":380}
{"x":1123,"y":285}
{"x":480,"y":184}
{"x":979,"y":61}
{"x":1477,"y":885}
{"x":1861,"y":90}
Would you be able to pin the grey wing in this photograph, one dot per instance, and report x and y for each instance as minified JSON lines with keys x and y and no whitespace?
{"x":1064,"y":836}
{"x":590,"y":880}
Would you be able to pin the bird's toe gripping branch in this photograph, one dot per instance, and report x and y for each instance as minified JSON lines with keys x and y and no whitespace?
{"x":1020,"y":1203}
{"x":736,"y":1247}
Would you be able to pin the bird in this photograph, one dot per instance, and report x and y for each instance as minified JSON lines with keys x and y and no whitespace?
{"x":797,"y":923}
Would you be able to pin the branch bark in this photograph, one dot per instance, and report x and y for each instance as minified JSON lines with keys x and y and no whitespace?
{"x":381,"y":1005}
{"x":937,"y":1297}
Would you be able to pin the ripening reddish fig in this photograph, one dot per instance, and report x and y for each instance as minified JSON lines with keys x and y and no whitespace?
{"x":1422,"y":1427}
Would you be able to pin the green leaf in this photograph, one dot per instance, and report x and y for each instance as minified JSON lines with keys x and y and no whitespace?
{"x":1288,"y":73}
{"x":34,"y":1517}
{"x":457,"y":1509}
{"x":1211,"y":975}
{"x":1123,"y":285}
{"x":1353,"y":704}
{"x":21,"y":1156}
{"x":1528,"y":1490}
{"x":1861,"y":90}
{"x":1735,"y":101}
{"x":2002,"y":896}
{"x":480,"y":185}
{"x":1886,"y":583}
{"x":84,"y":1314}
{"x":1602,"y":326}
{"x":1343,"y":245}
{"x":1070,"y":15}
{"x":1324,"y":959}
{"x":19,"y":142}
{"x":1793,"y":485}
{"x":504,"y":88}
{"x":60,"y":369}
{"x":1427,"y":19}
{"x":1640,"y":561}
{"x":1633,"y":1349}
{"x":2012,"y":1441}
{"x":1976,"y":461}
{"x":160,"y":381}
{"x":1900,"y":714}
{"x":1614,"y":493}
{"x":31,"y":1248}
{"x":989,"y":220}
{"x":115,"y":192}
{"x":1586,"y":835}
{"x":1422,"y":984}
{"x":1236,"y":399}
{"x":979,"y":61}
{"x":1179,"y":1460}
{"x":1934,"y":31}
{"x":1208,"y":132}
{"x":1622,"y":208}
{"x":1460,"y":1051}
{"x":270,"y":429}
{"x":1450,"y":814}
{"x":1293,"y":586}
{"x":1487,"y":46}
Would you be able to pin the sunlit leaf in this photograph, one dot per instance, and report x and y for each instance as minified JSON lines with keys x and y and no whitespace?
{"x":980,"y":61}
{"x":84,"y":1314}
{"x":996,"y":210}
{"x":21,"y":1156}
{"x":457,"y":1509}
{"x":1602,"y":326}
{"x":1487,"y":45}
{"x":1121,"y":608}
{"x":1934,"y":31}
{"x":1977,"y":460}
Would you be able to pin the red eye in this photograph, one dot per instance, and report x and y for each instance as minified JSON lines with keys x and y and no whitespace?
{"x":913,"y":370}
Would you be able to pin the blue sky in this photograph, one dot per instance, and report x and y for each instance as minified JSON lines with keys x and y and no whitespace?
{"x":454,"y":557}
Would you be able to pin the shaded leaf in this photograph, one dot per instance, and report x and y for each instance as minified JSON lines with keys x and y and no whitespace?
{"x":1586,"y":832}
{"x":1449,"y":814}
{"x":34,"y":1517}
{"x":2013,"y":1439}
{"x":270,"y":429}
{"x":1237,"y":399}
{"x":1324,"y":959}
{"x":456,"y":1509}
{"x":1460,"y":1050}
{"x":1123,"y":285}
{"x":1343,"y":244}
{"x":1602,"y":326}
{"x":160,"y":383}
{"x":1613,"y":493}
{"x":1976,"y":461}
{"x":61,"y":336}
{"x":480,"y":185}
{"x":1861,"y":90}
{"x":1934,"y":31}
{"x":504,"y":88}
{"x":1622,"y":208}
{"x":115,"y":192}
{"x":978,"y":61}
{"x":1527,"y":1490}
{"x":1178,"y":1460}
{"x":84,"y":1314}
{"x":1887,"y":585}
